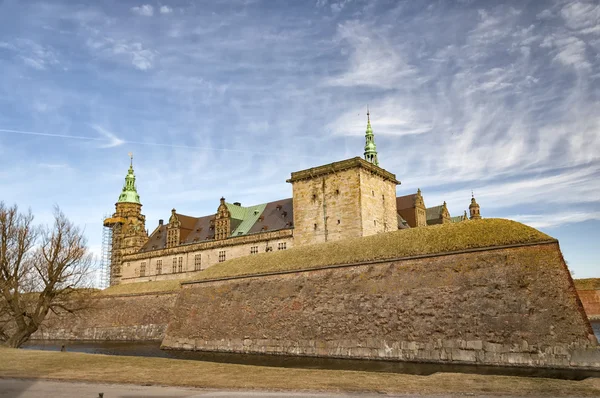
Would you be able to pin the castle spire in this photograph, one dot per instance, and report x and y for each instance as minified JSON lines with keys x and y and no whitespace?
{"x":474,"y":208}
{"x":129,"y":193}
{"x":370,"y":147}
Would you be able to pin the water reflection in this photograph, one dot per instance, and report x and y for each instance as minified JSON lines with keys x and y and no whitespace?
{"x":152,"y":349}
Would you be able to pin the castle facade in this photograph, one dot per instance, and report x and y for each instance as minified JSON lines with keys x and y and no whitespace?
{"x":349,"y":198}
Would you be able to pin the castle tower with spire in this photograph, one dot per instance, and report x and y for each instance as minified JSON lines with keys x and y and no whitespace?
{"x":351,"y":198}
{"x":474,"y":208}
{"x":370,"y":147}
{"x":128,"y":225}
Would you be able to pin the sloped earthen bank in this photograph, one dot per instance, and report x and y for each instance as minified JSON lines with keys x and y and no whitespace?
{"x":510,"y":305}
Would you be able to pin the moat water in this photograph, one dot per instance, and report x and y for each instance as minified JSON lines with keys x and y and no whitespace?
{"x":152,"y":349}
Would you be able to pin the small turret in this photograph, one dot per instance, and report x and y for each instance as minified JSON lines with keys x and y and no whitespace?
{"x":474,"y":208}
{"x":370,"y":147}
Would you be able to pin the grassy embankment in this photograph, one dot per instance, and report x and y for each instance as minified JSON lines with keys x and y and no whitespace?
{"x":587,"y":284}
{"x":175,"y":372}
{"x":403,"y":243}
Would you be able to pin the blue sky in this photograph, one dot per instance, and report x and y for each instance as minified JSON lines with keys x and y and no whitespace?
{"x":229,"y":97}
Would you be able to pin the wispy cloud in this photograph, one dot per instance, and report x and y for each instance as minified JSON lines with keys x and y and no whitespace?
{"x":556,"y":220}
{"x":31,"y":53}
{"x":145,"y":10}
{"x":165,"y":10}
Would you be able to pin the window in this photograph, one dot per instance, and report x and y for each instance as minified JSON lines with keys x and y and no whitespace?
{"x":180,"y":264}
{"x":253,"y":249}
{"x":281,"y":246}
{"x":197,"y":262}
{"x":158,"y":267}
{"x":221,"y":256}
{"x":174,"y":264}
{"x":143,"y":268}
{"x":315,"y":227}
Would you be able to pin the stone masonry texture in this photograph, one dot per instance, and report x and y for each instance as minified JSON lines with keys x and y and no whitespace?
{"x":136,"y":317}
{"x":510,"y":306}
{"x":591,"y":302}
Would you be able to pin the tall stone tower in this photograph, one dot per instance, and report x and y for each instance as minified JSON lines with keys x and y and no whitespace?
{"x":350,"y":198}
{"x":128,"y":225}
{"x":474,"y":209}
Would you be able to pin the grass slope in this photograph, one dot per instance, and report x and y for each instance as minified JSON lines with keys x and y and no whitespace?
{"x":402,"y":243}
{"x":587,"y":284}
{"x":177,"y":372}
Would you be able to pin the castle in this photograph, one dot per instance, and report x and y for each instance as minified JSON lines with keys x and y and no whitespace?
{"x":349,"y":198}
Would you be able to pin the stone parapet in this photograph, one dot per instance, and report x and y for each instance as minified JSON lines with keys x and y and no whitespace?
{"x":341,"y":166}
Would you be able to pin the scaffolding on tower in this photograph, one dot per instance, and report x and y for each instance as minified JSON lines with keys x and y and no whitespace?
{"x":107,"y":231}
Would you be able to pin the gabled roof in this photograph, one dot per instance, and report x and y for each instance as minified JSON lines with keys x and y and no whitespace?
{"x":265,"y":217}
{"x":435,"y":212}
{"x":406,"y":201}
{"x":247,"y":217}
{"x":276,"y":215}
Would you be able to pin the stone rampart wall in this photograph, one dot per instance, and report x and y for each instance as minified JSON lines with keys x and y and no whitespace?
{"x":135,"y":317}
{"x":505,"y":306}
{"x":591,"y":303}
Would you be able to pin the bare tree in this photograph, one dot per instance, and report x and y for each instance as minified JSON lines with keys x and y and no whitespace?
{"x":42,"y":269}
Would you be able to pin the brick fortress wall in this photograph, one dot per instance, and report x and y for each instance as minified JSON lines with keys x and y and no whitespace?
{"x":139,"y":317}
{"x":509,"y":306}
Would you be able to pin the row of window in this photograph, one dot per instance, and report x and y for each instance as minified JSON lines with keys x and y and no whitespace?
{"x":280,"y":246}
{"x":178,"y":261}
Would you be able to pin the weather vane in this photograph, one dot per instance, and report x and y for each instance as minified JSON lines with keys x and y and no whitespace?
{"x":131,"y":157}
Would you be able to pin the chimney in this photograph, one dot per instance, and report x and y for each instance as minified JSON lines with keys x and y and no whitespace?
{"x":237,"y":203}
{"x":160,"y":222}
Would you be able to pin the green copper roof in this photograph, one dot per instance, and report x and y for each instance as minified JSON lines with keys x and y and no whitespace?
{"x":370,"y":147}
{"x":248,"y":216}
{"x":129,"y":193}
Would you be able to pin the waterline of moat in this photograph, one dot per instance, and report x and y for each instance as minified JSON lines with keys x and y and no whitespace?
{"x":152,"y":349}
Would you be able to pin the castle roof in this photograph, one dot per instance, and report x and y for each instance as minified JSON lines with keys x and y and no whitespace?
{"x":434,"y":213}
{"x":406,"y":201}
{"x":264,"y":217}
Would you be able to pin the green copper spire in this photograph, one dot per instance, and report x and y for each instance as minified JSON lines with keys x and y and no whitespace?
{"x":129,"y":193}
{"x":370,"y":147}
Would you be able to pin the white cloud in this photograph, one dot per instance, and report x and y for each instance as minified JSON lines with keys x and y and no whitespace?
{"x":582,"y":16}
{"x":145,"y":10}
{"x":572,"y":52}
{"x":165,"y":10}
{"x":113,"y":140}
{"x":374,"y":60}
{"x":135,"y":53}
{"x":388,"y":117}
{"x":32,"y":53}
{"x":552,"y":220}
